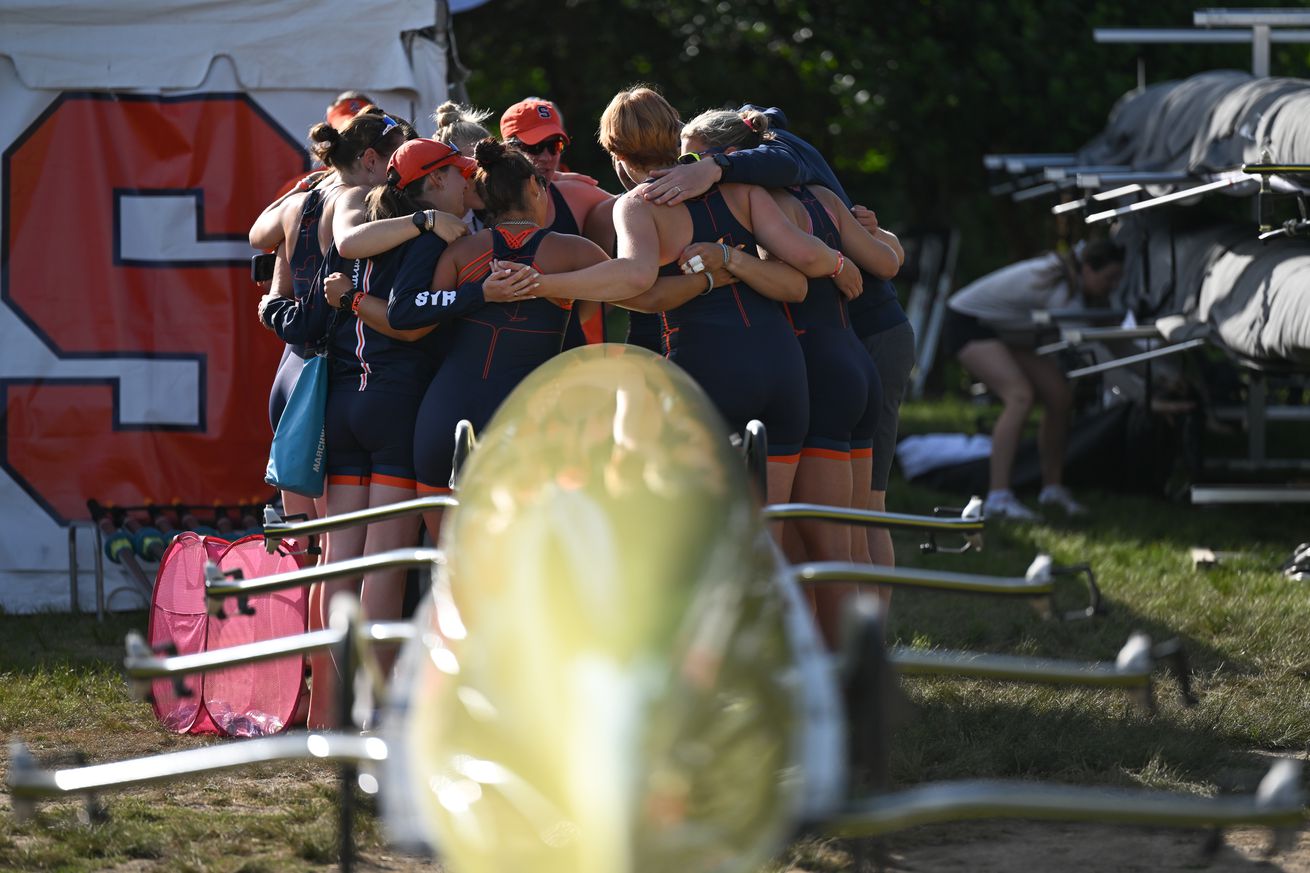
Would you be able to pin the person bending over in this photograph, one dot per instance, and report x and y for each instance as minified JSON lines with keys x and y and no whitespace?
{"x":1012,"y":370}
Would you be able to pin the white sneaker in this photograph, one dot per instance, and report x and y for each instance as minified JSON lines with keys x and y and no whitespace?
{"x":1006,"y":505}
{"x":1058,"y":495}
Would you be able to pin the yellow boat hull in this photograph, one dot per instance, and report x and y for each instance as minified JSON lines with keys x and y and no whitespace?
{"x":606,"y":681}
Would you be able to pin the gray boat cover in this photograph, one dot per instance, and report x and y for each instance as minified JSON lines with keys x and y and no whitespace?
{"x":1253,"y":297}
{"x":1257,"y":296}
{"x":1208,"y":123}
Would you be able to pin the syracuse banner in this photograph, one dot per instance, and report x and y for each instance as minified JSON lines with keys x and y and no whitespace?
{"x":135,"y":368}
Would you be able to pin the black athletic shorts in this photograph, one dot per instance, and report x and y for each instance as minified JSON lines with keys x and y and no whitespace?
{"x":960,"y":330}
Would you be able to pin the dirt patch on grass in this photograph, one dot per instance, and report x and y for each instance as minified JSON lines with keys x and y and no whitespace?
{"x":1010,"y":846}
{"x":979,"y":847}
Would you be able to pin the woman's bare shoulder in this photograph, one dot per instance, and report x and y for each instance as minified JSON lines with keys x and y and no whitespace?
{"x":566,"y":251}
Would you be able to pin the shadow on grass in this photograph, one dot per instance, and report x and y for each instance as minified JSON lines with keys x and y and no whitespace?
{"x":1139,"y":551}
{"x":1133,"y":520}
{"x":1249,"y":686}
{"x":40,"y":639}
{"x":927,"y":619}
{"x":1003,"y":846}
{"x":966,"y":731}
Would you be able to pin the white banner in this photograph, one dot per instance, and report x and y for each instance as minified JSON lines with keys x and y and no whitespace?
{"x":133,"y":370}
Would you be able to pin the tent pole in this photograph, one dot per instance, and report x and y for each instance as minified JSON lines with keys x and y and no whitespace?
{"x":1260,"y":50}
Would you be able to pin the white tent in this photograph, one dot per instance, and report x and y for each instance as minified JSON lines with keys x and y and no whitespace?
{"x":140,"y":138}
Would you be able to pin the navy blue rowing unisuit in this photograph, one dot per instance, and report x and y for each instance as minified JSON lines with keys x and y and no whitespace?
{"x":845,"y":391}
{"x":375,"y":382}
{"x":737,"y":344}
{"x":362,"y":358}
{"x":305,"y":259}
{"x":565,"y":223}
{"x":414,"y":303}
{"x":491,"y":350}
{"x":646,"y":329}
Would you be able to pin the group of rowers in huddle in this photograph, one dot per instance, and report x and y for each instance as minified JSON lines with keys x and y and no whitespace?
{"x":438,"y":273}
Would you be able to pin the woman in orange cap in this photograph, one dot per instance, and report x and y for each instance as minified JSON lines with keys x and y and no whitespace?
{"x":358,"y":153}
{"x":535,"y":127}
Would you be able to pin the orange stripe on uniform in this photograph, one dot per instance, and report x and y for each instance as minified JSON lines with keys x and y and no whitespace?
{"x":393,"y":481}
{"x":432,"y":489}
{"x":785,"y":459}
{"x":348,"y":480}
{"x":481,"y":261}
{"x":516,"y":240}
{"x":594,"y":328}
{"x":861,"y":453}
{"x":829,"y":454}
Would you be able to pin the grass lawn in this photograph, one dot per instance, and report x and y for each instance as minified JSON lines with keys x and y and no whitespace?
{"x":1243,"y":624}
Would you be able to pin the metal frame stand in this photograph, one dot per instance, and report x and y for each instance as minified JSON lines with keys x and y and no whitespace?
{"x":74,"y":598}
{"x":1222,"y":26}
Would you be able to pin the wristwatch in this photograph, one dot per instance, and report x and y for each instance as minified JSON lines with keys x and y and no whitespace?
{"x":722,"y":160}
{"x":420,"y":220}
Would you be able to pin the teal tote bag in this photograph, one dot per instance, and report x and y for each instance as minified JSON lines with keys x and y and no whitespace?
{"x":298,"y":458}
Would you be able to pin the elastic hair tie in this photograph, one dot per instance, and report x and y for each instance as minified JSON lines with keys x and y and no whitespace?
{"x":746,"y":121}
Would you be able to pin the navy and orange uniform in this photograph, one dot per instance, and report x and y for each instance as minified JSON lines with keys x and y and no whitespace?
{"x":375,"y":382}
{"x":646,"y":329}
{"x":565,"y":223}
{"x":738,"y":344}
{"x":305,"y":258}
{"x":491,"y":349}
{"x":414,"y":303}
{"x":845,"y":391}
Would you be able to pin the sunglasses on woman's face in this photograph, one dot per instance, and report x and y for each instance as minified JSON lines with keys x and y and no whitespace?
{"x":693,"y":157}
{"x":430,"y":165}
{"x":554,"y":146}
{"x":388,"y":124}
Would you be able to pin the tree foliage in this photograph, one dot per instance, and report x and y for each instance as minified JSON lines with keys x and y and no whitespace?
{"x":903,"y":97}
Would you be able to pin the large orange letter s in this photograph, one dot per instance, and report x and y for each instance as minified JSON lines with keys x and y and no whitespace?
{"x":143,"y":373}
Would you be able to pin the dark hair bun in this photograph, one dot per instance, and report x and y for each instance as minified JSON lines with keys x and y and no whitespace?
{"x":324,"y":133}
{"x":488,"y":153}
{"x":323,"y":139}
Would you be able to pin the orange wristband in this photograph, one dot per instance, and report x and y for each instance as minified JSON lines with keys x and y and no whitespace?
{"x":841,"y":263}
{"x":354,"y":301}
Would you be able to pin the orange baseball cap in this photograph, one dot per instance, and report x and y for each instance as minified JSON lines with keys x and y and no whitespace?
{"x":531,"y":121}
{"x":418,"y":157}
{"x":342,"y":111}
